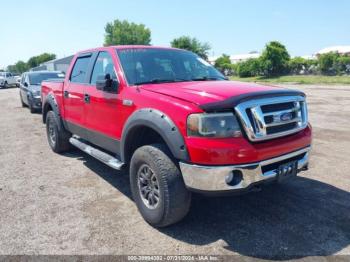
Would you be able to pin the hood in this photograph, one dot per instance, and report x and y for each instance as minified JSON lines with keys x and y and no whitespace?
{"x":35,"y":88}
{"x":207,"y":91}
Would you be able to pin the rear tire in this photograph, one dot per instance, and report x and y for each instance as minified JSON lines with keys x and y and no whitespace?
{"x":157,"y":186}
{"x":57,"y":137}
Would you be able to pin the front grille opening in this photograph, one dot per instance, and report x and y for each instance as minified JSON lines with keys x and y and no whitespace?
{"x":275,"y":165}
{"x":269,"y":119}
{"x":281,"y":128}
{"x":250,"y":116}
{"x":277,"y":107}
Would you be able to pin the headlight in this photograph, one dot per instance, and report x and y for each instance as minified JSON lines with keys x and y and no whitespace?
{"x":213,"y":125}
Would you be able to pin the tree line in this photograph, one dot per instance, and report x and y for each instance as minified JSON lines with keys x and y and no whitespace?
{"x":21,"y":66}
{"x":276,"y":61}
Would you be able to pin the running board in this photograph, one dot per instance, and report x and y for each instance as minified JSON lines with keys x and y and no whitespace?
{"x":96,"y":153}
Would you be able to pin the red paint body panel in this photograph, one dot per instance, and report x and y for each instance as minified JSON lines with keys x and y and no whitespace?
{"x":240,"y":151}
{"x":107,"y":115}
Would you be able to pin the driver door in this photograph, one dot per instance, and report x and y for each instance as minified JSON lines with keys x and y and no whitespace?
{"x":103,"y":109}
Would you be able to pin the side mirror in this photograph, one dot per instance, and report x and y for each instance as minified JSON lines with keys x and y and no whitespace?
{"x":105,"y":83}
{"x":25,"y":84}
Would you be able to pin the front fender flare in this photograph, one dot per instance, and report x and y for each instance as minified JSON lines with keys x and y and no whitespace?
{"x":162,"y":124}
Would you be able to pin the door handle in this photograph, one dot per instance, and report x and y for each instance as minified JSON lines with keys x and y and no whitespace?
{"x":66,"y":94}
{"x":87,"y":98}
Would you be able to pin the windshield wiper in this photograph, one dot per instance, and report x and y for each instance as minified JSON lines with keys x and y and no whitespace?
{"x":158,"y":80}
{"x":206,"y":78}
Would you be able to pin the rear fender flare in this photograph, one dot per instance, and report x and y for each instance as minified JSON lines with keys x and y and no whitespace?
{"x":50,"y":101}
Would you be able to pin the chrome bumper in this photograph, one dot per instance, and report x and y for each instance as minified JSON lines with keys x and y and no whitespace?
{"x":213,"y":178}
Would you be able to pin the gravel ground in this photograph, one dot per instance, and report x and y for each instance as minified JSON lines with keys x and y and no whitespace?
{"x":71,"y":204}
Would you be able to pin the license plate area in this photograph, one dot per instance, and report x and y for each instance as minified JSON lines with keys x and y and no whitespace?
{"x":287,"y":171}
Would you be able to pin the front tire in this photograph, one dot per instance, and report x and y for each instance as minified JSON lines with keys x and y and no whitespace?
{"x":22,"y":103}
{"x":57,"y":137}
{"x":30,"y":105}
{"x":157,"y":186}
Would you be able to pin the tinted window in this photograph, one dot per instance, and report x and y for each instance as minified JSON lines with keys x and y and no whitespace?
{"x":37,"y":78}
{"x":144,"y":65}
{"x":79,"y":71}
{"x":103,"y":65}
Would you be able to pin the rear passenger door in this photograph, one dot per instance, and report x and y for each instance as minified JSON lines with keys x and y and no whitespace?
{"x":73,"y":94}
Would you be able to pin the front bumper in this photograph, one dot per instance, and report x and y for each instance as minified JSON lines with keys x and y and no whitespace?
{"x":36,"y":102}
{"x":213,"y":178}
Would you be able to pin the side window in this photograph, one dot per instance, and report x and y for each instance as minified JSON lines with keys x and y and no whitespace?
{"x":103,"y":65}
{"x":79,"y":71}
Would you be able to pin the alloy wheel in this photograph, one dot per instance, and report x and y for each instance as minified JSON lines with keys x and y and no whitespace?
{"x":148,"y":186}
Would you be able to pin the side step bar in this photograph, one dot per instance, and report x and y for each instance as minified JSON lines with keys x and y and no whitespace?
{"x":96,"y":153}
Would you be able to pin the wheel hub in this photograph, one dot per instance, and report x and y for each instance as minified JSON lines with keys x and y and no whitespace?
{"x":52,"y":134}
{"x":148,"y":186}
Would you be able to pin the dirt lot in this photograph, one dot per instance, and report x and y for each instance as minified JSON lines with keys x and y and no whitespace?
{"x":72,"y":204}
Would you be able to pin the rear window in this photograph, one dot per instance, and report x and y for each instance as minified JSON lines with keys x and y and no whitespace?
{"x":37,"y":78}
{"x":79,"y":71}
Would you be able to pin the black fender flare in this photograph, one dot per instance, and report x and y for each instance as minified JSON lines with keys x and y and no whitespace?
{"x":162,"y":124}
{"x":51,"y":101}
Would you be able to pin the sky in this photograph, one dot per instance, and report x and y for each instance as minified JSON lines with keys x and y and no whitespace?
{"x":64,"y":27}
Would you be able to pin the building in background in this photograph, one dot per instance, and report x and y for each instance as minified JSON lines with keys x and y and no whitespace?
{"x":244,"y":57}
{"x":236,"y":58}
{"x":341,"y":49}
{"x":60,"y":64}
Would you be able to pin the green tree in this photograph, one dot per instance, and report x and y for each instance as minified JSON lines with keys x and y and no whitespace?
{"x":192,"y":44}
{"x":327,"y":63}
{"x":274,"y":59}
{"x":19,"y":67}
{"x":223,"y":63}
{"x":125,"y":33}
{"x":343,"y":64}
{"x":297,"y":65}
{"x":251,"y":67}
{"x":37,"y":60}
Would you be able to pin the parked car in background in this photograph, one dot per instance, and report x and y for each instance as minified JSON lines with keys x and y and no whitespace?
{"x":7,"y":79}
{"x":30,"y":87}
{"x":18,"y":79}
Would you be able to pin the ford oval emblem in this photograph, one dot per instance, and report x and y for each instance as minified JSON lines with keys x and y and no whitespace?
{"x":286,"y":116}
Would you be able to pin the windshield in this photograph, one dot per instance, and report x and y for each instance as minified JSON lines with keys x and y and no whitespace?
{"x":2,"y":74}
{"x":37,"y":78}
{"x":155,"y":65}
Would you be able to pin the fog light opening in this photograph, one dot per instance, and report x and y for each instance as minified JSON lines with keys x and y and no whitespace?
{"x":234,"y":178}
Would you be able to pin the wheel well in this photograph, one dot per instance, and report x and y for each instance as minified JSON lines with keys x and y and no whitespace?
{"x":140,"y":136}
{"x":46,"y":109}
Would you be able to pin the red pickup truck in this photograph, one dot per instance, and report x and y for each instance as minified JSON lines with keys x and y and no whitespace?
{"x":177,"y":124}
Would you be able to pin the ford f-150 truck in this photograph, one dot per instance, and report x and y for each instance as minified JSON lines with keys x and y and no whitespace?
{"x":177,"y":124}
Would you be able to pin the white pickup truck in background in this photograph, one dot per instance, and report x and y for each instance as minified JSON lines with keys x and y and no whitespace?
{"x":7,"y":79}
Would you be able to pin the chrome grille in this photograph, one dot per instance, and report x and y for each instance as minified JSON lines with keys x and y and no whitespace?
{"x":269,"y":118}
